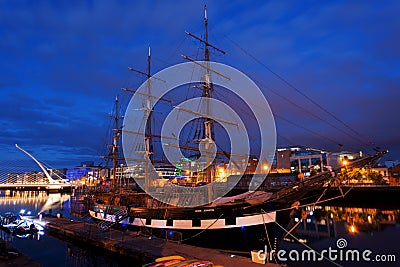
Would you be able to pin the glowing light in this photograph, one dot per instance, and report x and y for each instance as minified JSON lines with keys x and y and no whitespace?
{"x":301,"y":240}
{"x":22,"y":211}
{"x":353,"y":229}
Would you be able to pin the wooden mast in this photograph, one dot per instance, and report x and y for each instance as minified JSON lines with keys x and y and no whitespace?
{"x":207,"y":86}
{"x":148,"y":134}
{"x":148,"y":139}
{"x":149,"y":109}
{"x":207,"y":89}
{"x":114,"y":146}
{"x":117,"y":133}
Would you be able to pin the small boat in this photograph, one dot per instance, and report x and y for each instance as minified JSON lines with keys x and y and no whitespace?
{"x":18,"y":225}
{"x":179,"y":261}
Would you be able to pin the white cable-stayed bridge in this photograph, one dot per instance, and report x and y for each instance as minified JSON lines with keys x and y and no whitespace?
{"x":42,"y":178}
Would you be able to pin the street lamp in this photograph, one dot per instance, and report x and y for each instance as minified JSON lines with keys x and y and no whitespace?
{"x":265,"y":168}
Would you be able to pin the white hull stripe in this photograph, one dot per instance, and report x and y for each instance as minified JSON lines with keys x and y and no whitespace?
{"x":250,"y":220}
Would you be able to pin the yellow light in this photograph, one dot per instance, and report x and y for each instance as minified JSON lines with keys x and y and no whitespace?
{"x":345,"y":162}
{"x":353,"y":229}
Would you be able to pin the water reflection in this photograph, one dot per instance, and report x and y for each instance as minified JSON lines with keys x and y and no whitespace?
{"x":321,"y":227}
{"x":77,"y":256}
{"x":46,"y":250}
{"x":32,"y":202}
{"x":331,"y":221}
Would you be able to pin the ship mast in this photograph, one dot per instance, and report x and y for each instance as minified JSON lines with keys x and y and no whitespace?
{"x":115,"y":141}
{"x":114,"y":146}
{"x":207,"y":86}
{"x":149,"y":110}
{"x":207,"y":89}
{"x":149,"y":144}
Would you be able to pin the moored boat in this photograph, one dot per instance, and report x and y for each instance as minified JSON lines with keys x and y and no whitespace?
{"x":19,"y":225}
{"x":236,"y":222}
{"x":181,"y":262}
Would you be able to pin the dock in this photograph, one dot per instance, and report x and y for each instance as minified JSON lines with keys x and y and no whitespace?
{"x":141,"y":248}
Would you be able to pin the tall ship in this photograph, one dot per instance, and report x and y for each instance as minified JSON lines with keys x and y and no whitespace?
{"x":191,"y":198}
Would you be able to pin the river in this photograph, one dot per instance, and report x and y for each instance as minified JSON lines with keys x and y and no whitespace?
{"x":345,"y":233}
{"x":44,"y":249}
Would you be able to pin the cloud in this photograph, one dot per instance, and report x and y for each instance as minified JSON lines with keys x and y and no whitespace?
{"x":61,"y":64}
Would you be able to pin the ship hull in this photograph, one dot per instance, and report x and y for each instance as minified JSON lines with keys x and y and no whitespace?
{"x":248,"y":233}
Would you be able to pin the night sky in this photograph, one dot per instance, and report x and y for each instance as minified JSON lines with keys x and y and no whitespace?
{"x":63,"y":62}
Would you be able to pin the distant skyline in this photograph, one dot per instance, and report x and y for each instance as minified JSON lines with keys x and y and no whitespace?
{"x":63,"y":62}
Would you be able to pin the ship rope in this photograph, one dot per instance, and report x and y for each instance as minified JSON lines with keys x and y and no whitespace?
{"x":284,"y":119}
{"x":305,"y":245}
{"x":199,"y":233}
{"x":318,"y":201}
{"x":145,"y":227}
{"x":188,"y":238}
{"x":356,"y":133}
{"x":215,"y":221}
{"x":266,"y":233}
{"x":313,"y":206}
{"x":312,"y":114}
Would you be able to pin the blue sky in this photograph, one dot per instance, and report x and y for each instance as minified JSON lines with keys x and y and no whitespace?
{"x":63,"y":62}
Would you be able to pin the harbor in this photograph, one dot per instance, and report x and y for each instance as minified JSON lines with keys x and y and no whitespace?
{"x":143,"y":249}
{"x":234,"y":134}
{"x":72,"y":239}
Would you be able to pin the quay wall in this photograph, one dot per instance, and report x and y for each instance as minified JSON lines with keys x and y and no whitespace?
{"x":141,"y":248}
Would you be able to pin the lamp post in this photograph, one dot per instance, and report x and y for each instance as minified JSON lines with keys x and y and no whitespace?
{"x":345,"y":162}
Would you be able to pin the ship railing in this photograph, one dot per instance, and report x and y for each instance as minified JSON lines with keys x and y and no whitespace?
{"x":118,"y":217}
{"x":324,"y":177}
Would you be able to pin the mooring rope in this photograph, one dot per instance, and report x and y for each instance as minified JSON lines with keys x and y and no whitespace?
{"x":307,"y":246}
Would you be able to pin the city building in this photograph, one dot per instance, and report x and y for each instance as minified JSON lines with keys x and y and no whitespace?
{"x":86,"y":171}
{"x":26,"y":178}
{"x":384,"y":171}
{"x":300,"y":159}
{"x":335,"y":159}
{"x":395,"y":175}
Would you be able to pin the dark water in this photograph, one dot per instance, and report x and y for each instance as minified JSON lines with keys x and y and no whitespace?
{"x":351,"y":232}
{"x":373,"y":229}
{"x":46,"y":250}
